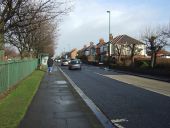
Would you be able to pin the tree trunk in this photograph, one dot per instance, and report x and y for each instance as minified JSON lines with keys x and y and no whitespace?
{"x":1,"y":41}
{"x":132,"y":54}
{"x":155,"y":57}
{"x":119,"y":59}
{"x":21,"y":55}
{"x":1,"y":36}
{"x":132,"y":61}
{"x":153,"y":60}
{"x":132,"y":58}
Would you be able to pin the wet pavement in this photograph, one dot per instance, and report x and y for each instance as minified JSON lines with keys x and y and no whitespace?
{"x":57,"y":105}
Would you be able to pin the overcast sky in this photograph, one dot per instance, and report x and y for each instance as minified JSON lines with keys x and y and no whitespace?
{"x":89,"y":20}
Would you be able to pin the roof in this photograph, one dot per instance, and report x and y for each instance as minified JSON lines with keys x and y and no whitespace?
{"x":100,"y":44}
{"x":122,"y":39}
{"x":74,"y":49}
{"x":83,"y":49}
{"x":163,"y":52}
{"x":90,"y":46}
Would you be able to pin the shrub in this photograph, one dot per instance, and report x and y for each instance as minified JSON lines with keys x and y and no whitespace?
{"x":144,"y":64}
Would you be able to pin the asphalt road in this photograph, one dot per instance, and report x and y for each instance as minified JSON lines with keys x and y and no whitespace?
{"x":128,"y":101}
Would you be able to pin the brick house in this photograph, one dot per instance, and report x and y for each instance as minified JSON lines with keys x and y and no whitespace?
{"x":100,"y":50}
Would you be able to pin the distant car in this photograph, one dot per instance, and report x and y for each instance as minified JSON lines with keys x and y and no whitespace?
{"x":58,"y":60}
{"x":75,"y":64}
{"x":65,"y":62}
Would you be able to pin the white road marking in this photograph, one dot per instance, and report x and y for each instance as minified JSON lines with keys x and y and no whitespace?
{"x":117,"y":121}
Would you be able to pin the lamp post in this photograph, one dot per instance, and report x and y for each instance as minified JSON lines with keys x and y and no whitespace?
{"x":109,"y":24}
{"x":109,"y":40}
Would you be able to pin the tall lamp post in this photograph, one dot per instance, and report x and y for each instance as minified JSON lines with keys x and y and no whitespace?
{"x":109,"y":24}
{"x":109,"y":40}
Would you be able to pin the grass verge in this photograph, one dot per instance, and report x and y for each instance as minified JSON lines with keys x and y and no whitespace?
{"x":15,"y":105}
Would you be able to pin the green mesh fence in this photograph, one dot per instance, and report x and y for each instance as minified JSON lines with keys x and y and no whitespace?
{"x":14,"y":71}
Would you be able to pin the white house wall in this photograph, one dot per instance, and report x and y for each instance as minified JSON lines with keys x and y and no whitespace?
{"x":126,"y":50}
{"x":87,"y":53}
{"x":143,"y":51}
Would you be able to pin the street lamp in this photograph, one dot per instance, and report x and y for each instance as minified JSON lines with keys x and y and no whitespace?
{"x":109,"y":40}
{"x":109,"y":24}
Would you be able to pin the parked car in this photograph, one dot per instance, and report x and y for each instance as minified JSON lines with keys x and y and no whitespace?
{"x":75,"y":64}
{"x":65,"y":62}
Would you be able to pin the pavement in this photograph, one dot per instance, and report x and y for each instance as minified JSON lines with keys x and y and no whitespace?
{"x":160,"y":78}
{"x":57,"y":105}
{"x":165,"y":79}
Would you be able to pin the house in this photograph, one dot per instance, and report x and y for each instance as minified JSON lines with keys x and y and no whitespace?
{"x":88,"y":53}
{"x":82,"y":51}
{"x":100,"y":50}
{"x":126,"y":46}
{"x":104,"y":52}
{"x":65,"y":55}
{"x":163,"y":54}
{"x":127,"y":43}
{"x":73,"y":53}
{"x":91,"y":52}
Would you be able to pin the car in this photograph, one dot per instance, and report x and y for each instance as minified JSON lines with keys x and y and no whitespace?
{"x":65,"y":62}
{"x":75,"y":64}
{"x":58,"y":60}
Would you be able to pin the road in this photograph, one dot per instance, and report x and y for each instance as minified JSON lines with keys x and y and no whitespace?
{"x":128,"y":101}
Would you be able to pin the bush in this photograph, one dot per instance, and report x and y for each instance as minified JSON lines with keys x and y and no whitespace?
{"x":112,"y":66}
{"x":144,"y":65}
{"x":163,"y":66}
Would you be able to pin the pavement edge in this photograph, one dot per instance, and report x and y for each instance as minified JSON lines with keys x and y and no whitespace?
{"x":98,"y":113}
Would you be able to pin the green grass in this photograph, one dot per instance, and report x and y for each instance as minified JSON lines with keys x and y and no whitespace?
{"x":14,"y":106}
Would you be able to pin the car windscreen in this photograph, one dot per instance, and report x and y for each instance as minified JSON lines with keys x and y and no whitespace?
{"x":75,"y":62}
{"x":65,"y":60}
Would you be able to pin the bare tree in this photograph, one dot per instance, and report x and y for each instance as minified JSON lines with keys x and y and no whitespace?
{"x":43,"y":39}
{"x":166,"y":31}
{"x":16,"y":38}
{"x":33,"y":39}
{"x":155,"y":39}
{"x":134,"y":50}
{"x":118,"y":52}
{"x":16,"y":13}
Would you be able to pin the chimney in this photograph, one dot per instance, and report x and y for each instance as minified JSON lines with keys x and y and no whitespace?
{"x":91,"y":43}
{"x":110,"y":37}
{"x":101,"y":41}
